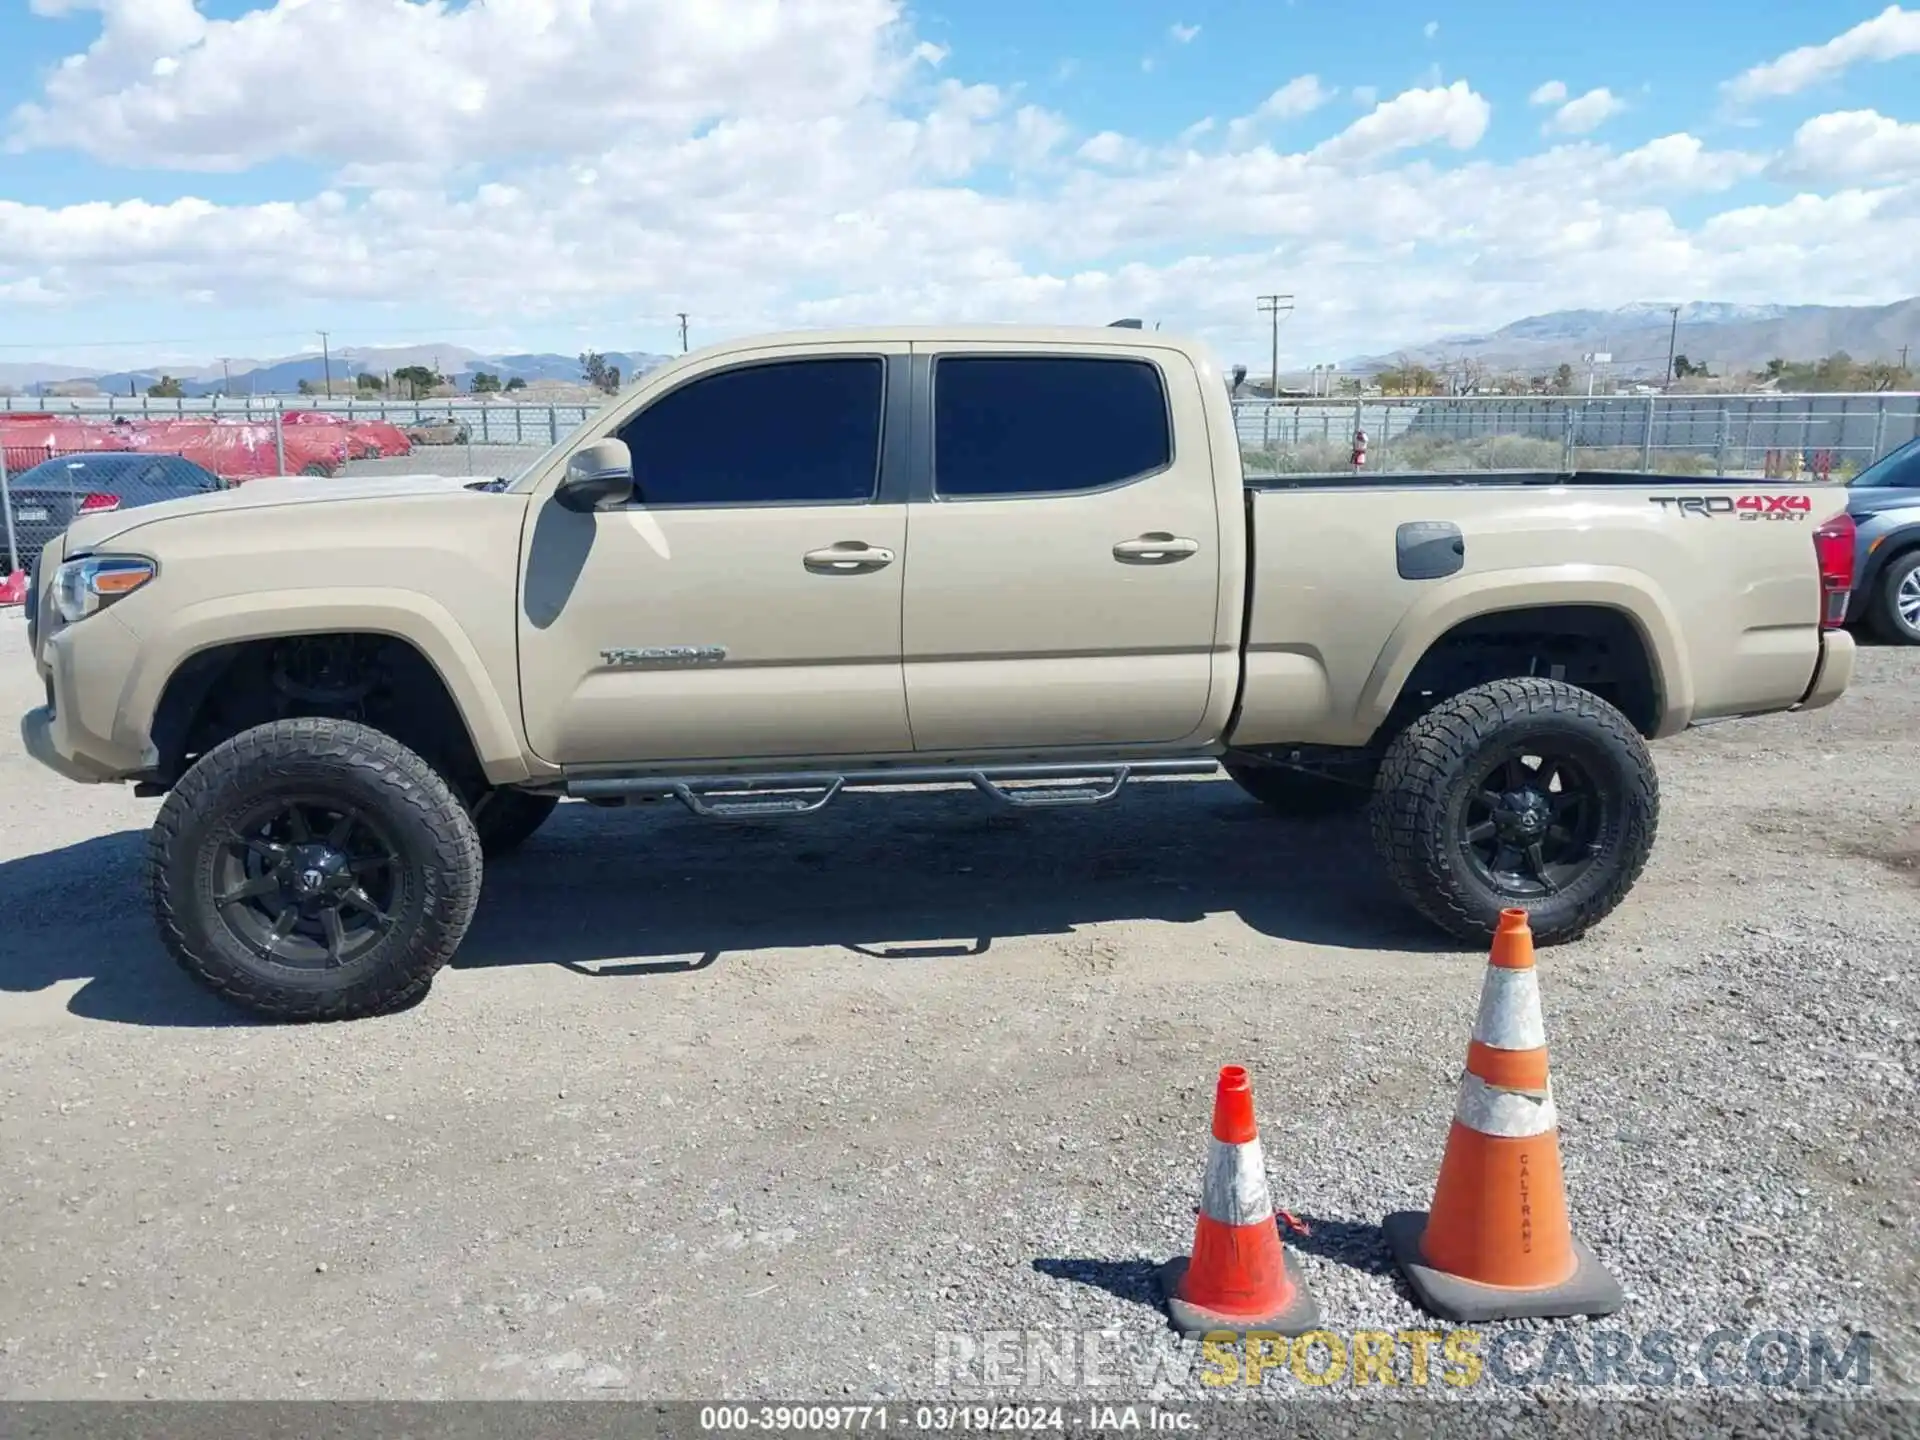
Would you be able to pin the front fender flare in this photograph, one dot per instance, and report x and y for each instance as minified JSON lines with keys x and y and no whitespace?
{"x":405,"y":615}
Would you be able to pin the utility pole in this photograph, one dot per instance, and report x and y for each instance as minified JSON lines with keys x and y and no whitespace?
{"x":683,"y":332}
{"x":1275,"y":306}
{"x":326,"y":362}
{"x":1673,"y":335}
{"x":226,"y":377}
{"x":1903,"y":357}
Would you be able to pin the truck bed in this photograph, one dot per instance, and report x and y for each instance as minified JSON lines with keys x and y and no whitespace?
{"x":1354,"y":577}
{"x":1502,"y":479}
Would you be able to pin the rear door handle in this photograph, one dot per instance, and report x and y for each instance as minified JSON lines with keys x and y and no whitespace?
{"x":847,"y":557}
{"x":1156,"y":547}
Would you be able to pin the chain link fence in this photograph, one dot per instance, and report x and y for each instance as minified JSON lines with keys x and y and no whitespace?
{"x":1818,"y":437}
{"x":1772,"y":436}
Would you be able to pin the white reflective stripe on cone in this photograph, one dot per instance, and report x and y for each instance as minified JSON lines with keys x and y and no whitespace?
{"x":1509,"y":1016}
{"x":1235,"y":1192}
{"x":1510,"y":1114}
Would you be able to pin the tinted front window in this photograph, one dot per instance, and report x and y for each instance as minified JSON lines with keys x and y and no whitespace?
{"x":795,"y":431}
{"x":1899,"y":470}
{"x":1036,"y":424}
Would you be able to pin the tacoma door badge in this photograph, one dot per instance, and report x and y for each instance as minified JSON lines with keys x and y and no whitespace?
{"x":652,"y":656}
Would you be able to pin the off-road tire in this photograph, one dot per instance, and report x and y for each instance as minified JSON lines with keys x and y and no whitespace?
{"x":1884,"y":610}
{"x":1423,"y":790}
{"x":505,"y":819}
{"x":437,"y":880}
{"x":1297,"y":793}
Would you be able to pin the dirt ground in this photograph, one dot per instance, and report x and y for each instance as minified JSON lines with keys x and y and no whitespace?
{"x":817,"y":1108}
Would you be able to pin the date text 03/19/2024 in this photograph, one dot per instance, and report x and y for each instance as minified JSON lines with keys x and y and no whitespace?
{"x":961,"y":1418}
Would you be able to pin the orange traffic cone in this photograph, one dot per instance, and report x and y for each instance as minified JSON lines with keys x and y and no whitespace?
{"x":1496,"y":1245}
{"x":1240,"y":1276}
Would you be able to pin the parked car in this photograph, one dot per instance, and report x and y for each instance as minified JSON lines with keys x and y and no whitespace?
{"x":436,"y":430}
{"x":1022,"y":559}
{"x":55,"y":493}
{"x":1884,"y":500}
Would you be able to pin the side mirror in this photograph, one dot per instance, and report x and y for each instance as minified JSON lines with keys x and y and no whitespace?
{"x":597,"y":476}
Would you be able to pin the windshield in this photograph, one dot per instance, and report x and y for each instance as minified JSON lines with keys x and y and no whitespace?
{"x":1896,"y":470}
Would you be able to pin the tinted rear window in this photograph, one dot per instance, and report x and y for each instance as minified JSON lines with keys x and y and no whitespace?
{"x":1022,"y":425}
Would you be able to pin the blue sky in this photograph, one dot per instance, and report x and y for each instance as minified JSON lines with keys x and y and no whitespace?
{"x":182,"y":181}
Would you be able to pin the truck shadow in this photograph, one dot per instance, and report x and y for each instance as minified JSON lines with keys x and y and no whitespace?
{"x":652,"y":891}
{"x":937,"y":876}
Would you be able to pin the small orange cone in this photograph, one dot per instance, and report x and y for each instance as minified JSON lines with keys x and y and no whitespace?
{"x":1496,"y":1245}
{"x":1240,"y":1276}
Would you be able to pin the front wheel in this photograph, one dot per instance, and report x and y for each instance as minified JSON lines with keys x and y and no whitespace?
{"x":313,"y":870}
{"x":1527,"y":792}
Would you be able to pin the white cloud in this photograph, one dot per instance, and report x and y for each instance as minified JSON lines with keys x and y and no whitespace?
{"x":1850,"y":146}
{"x":1037,"y":133}
{"x":1110,"y":147}
{"x":1892,"y":33}
{"x":882,"y":193}
{"x":1550,"y":93}
{"x":1586,"y":113}
{"x":318,"y":81}
{"x":1183,"y":34}
{"x":1430,"y":29}
{"x":1299,"y":96}
{"x":1453,"y":115}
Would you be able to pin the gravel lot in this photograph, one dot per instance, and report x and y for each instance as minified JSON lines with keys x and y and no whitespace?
{"x":758,"y":1110}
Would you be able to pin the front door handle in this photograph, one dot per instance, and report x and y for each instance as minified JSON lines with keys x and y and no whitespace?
{"x":1156,"y":547}
{"x":848,"y":557}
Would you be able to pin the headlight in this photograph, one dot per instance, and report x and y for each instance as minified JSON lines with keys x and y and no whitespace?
{"x":81,"y":587}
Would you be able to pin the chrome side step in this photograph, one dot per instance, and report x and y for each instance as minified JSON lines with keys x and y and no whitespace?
{"x":736,"y":797}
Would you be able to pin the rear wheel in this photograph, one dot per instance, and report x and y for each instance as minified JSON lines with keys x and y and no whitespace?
{"x":313,"y":870}
{"x":1896,"y":600}
{"x":1527,"y":792}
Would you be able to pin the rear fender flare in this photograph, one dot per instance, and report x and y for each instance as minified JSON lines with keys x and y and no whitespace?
{"x":1488,"y":592}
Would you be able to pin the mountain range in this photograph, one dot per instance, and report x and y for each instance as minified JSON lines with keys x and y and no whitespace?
{"x":1722,"y":336}
{"x":283,"y":376}
{"x":1726,"y":337}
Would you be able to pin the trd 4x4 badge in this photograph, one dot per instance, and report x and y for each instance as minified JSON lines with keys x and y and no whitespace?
{"x":1747,"y":507}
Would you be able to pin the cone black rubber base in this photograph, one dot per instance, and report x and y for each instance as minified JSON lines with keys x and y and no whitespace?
{"x":1590,"y":1290}
{"x":1191,"y":1320}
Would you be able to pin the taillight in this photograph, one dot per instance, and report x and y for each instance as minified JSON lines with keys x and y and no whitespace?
{"x":98,"y":504}
{"x":1833,"y":545}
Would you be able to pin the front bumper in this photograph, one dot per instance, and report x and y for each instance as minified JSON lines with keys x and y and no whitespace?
{"x":38,"y":732}
{"x":81,"y":733}
{"x":1834,"y":672}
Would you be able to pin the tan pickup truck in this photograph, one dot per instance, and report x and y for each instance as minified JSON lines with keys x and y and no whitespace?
{"x":1022,"y":559}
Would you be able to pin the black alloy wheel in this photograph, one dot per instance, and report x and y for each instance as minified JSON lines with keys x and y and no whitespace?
{"x":305,"y":884}
{"x":1533,"y":821}
{"x":1524,"y":792}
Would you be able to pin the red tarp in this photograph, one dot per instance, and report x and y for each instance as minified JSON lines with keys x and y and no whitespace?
{"x":315,"y":442}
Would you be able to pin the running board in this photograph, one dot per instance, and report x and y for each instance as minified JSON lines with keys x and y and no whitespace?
{"x":737,"y":797}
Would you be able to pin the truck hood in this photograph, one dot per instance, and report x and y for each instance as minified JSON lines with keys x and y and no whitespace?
{"x":96,"y":530}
